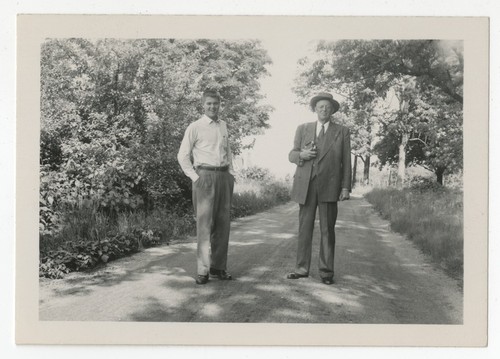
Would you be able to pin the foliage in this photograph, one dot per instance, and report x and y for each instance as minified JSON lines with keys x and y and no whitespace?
{"x":82,"y":255}
{"x":377,"y":63}
{"x":424,"y":76}
{"x":256,"y":190}
{"x":432,"y":129}
{"x":424,"y":184}
{"x":430,"y":216}
{"x":113,"y":113}
{"x":263,"y":196}
{"x":89,"y":236}
{"x":255,"y":173}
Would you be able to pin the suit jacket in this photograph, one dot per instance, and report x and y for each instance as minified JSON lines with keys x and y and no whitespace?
{"x":334,"y":163}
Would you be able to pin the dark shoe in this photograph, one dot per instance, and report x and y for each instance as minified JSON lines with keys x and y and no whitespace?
{"x":220,"y":274}
{"x":296,"y":275}
{"x":327,"y":280}
{"x":202,"y":279}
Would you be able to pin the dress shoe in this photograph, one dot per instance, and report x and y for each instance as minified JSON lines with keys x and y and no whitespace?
{"x":220,"y":273}
{"x":327,"y":280}
{"x":296,"y":276}
{"x":202,"y":279}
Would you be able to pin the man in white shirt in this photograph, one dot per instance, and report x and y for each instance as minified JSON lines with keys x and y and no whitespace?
{"x":322,"y":153}
{"x":206,"y":142}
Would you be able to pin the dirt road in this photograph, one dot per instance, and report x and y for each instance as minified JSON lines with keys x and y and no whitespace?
{"x":380,"y":278}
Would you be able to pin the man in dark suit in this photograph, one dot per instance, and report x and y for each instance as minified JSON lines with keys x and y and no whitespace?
{"x":322,"y":153}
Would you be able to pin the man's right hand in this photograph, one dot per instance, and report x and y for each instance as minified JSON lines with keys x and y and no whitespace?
{"x":307,"y":154}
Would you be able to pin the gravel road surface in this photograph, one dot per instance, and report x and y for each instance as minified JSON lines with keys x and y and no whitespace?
{"x":380,"y":278}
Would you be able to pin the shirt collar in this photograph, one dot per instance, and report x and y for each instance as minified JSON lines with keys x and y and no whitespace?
{"x":318,"y":125}
{"x":208,"y":120}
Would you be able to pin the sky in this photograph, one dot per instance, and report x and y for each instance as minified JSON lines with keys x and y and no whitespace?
{"x":271,"y":149}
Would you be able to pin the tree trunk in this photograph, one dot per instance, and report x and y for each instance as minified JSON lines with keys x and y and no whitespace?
{"x":354,"y":170}
{"x":366,"y":170}
{"x":439,"y":175}
{"x":402,"y":160}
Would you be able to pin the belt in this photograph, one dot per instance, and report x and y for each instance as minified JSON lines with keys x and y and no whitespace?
{"x":213,"y":168}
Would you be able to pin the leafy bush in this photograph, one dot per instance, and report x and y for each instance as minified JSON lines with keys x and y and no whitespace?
{"x":256,"y":173}
{"x":89,"y":237}
{"x":85,"y":234}
{"x":81,"y":255}
{"x":279,"y":191}
{"x":165,"y":223}
{"x":53,"y":268}
{"x":252,"y":196}
{"x":113,"y":113}
{"x":424,"y":184}
{"x":109,"y":186}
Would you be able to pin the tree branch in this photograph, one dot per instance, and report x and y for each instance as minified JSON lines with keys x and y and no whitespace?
{"x":418,"y":139}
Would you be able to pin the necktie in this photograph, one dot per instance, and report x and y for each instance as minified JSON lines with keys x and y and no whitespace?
{"x":322,"y":132}
{"x":318,"y":149}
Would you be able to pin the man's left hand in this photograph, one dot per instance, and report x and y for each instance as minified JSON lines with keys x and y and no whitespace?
{"x":344,"y":195}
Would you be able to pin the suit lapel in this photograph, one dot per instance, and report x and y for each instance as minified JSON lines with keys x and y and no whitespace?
{"x":310,"y":132}
{"x":330,"y":137}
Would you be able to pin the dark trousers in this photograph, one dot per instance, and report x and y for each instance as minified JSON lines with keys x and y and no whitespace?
{"x":212,"y":194}
{"x":327,"y":219}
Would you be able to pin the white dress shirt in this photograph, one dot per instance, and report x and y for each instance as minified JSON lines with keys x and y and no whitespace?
{"x":208,"y":142}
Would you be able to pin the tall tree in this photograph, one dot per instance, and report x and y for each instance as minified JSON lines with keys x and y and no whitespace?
{"x":407,"y":69}
{"x":114,"y":111}
{"x":358,"y":110}
{"x":434,"y":140}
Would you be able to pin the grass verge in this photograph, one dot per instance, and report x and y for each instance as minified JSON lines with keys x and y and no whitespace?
{"x":432,"y":219}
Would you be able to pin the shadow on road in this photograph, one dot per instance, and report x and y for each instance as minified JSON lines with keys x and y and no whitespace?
{"x":158,"y":284}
